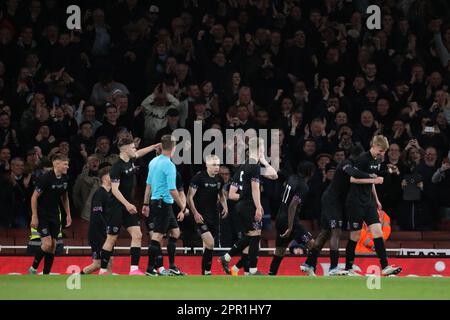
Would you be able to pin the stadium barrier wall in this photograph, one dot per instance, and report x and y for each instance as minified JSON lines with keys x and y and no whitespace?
{"x":425,"y":266}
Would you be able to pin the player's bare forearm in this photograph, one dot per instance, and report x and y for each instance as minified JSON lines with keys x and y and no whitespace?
{"x":142,"y":152}
{"x":362,"y":181}
{"x":223,"y":200}
{"x":34,"y":199}
{"x":374,"y":192}
{"x":176,"y":196}
{"x":190,"y":199}
{"x":291,"y":213}
{"x":270,"y":172}
{"x":65,"y":201}
{"x":182,"y":198}
{"x":147,"y":194}
{"x":256,"y":194}
{"x":118,"y":195}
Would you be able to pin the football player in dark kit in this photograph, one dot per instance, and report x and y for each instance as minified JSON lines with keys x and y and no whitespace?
{"x":204,"y":192}
{"x":332,"y":212}
{"x":51,"y":188}
{"x":122,"y":211}
{"x":100,"y":204}
{"x":287,"y":221}
{"x":361,"y":206}
{"x":249,"y":205}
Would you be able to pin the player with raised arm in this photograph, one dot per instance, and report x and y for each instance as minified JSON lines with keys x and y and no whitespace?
{"x":249,"y":205}
{"x":123,"y":211}
{"x":332,"y":212}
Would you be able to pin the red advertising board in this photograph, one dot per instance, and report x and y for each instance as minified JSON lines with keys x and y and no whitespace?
{"x":192,"y":265}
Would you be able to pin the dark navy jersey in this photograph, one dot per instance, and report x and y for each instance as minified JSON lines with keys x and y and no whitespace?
{"x":124,"y":173}
{"x":100,"y":204}
{"x":294,"y":189}
{"x":50,"y":189}
{"x":362,"y":193}
{"x":208,"y":189}
{"x":339,"y":186}
{"x":243,"y":178}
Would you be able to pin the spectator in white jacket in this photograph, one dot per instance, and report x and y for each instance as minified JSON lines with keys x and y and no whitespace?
{"x":155,"y":108}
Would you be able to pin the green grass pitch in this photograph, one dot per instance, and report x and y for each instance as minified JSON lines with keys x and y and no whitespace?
{"x":222,"y":287}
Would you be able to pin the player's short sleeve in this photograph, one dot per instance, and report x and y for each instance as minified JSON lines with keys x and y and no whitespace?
{"x":115,"y":172}
{"x":149,"y":180}
{"x":362,"y":162}
{"x":41,"y":183}
{"x":255,"y":173}
{"x":196,"y":181}
{"x":171,"y":175}
{"x":179,"y":182}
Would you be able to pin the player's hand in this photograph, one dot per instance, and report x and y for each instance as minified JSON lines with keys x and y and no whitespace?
{"x":68,"y":221}
{"x":145,"y":211}
{"x":157,"y":147}
{"x":224,"y":213}
{"x":258,"y":214}
{"x":34,"y":222}
{"x":287,"y":233}
{"x":131,"y":208}
{"x":198,"y":218}
{"x":180,"y":216}
{"x":379,"y":206}
{"x":378,"y":180}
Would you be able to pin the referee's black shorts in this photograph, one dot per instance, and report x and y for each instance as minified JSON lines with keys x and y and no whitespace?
{"x":162,"y":216}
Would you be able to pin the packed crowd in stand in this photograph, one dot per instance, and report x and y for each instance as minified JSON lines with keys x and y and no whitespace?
{"x":310,"y":68}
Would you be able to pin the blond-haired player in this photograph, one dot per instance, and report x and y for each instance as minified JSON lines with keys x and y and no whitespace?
{"x":362,"y":204}
{"x":205,"y":190}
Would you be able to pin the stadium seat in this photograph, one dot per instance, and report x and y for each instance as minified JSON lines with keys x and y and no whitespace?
{"x":3,"y":232}
{"x":18,"y":233}
{"x":79,"y":229}
{"x":444,"y":226}
{"x":7,"y":242}
{"x":76,"y":242}
{"x":308,"y":224}
{"x":392,"y":244}
{"x":269,"y":234}
{"x":406,"y":236}
{"x":436,"y":235}
{"x":417,"y":244}
{"x":21,"y":241}
{"x":270,"y":244}
{"x":442,"y":245}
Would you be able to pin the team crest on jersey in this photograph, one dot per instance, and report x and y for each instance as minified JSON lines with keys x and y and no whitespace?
{"x":132,"y":169}
{"x":333,"y":224}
